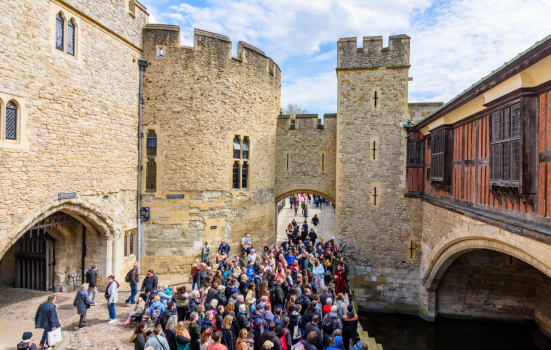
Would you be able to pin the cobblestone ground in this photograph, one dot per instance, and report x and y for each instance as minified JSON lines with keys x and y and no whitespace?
{"x":21,"y":304}
{"x":325,"y":229}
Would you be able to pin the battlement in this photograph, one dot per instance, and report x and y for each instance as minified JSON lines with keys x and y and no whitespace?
{"x":306,"y":121}
{"x":373,"y":54}
{"x":168,"y":36}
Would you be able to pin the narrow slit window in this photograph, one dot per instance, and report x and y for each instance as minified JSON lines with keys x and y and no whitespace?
{"x":287,"y":161}
{"x":151,"y":144}
{"x":245,"y":152}
{"x":126,"y":245}
{"x":236,"y":148}
{"x":11,"y":121}
{"x":322,"y":162}
{"x":235,"y":182}
{"x":244,"y":175}
{"x":71,"y":37}
{"x":131,"y":245}
{"x":59,"y":28}
{"x":151,"y":175}
{"x":161,"y":52}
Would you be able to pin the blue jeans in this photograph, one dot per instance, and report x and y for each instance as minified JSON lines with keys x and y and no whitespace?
{"x":44,"y":337}
{"x":193,"y":286}
{"x":112,"y":313}
{"x":133,"y":292}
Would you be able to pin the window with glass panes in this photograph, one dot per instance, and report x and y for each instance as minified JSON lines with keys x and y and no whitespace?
{"x":151,"y":144}
{"x":415,"y":152}
{"x":235,"y":176}
{"x":505,"y":145}
{"x":236,"y":148}
{"x":437,"y":157}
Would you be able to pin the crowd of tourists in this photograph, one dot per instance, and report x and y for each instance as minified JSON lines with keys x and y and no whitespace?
{"x":292,"y":296}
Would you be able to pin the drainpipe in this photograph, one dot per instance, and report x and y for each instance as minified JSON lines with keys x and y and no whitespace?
{"x":143,"y":64}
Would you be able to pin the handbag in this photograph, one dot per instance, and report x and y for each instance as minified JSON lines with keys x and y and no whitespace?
{"x":54,"y":336}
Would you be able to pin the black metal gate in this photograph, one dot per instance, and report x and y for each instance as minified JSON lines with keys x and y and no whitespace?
{"x":34,"y":260}
{"x":35,"y":254}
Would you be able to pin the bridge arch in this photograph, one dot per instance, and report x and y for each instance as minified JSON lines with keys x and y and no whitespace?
{"x":460,"y":242}
{"x":326,"y":195}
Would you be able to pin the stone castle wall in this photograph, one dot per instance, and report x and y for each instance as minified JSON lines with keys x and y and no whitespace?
{"x":378,"y":224}
{"x":197,"y":99}
{"x":305,"y":155}
{"x":78,"y":118}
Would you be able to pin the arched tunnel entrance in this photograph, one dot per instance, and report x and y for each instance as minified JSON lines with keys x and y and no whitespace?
{"x":53,"y":254}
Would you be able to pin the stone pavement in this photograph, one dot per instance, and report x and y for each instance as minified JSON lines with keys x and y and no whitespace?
{"x":325,"y":229}
{"x":18,"y":308}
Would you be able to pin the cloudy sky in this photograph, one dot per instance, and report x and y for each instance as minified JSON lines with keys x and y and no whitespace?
{"x":454,"y":43}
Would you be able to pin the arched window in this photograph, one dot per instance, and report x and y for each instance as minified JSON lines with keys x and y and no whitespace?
{"x":246,"y":148}
{"x":71,"y":37}
{"x":244,"y":175}
{"x":151,"y":175}
{"x":59,"y":27}
{"x":151,"y":143}
{"x":11,"y":121}
{"x":236,"y":148}
{"x":235,"y":176}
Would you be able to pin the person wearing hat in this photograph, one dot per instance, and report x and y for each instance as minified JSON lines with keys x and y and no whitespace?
{"x":220,"y":296}
{"x":234,"y":292}
{"x":336,"y":345}
{"x":268,"y":345}
{"x":27,"y":343}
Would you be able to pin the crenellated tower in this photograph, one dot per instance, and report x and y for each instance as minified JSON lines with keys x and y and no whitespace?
{"x":378,"y":224}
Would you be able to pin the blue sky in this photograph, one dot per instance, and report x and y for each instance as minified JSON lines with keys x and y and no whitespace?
{"x":454,"y":43}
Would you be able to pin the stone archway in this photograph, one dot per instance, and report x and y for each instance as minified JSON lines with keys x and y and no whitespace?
{"x":313,"y":191}
{"x":83,"y":237}
{"x":461,"y":242}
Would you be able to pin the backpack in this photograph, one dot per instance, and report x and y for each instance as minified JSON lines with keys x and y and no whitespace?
{"x":273,"y":295}
{"x":155,"y":314}
{"x":258,"y":326}
{"x":327,"y":325}
{"x":127,"y":278}
{"x":283,"y":341}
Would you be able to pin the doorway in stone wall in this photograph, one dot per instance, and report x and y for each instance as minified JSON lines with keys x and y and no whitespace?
{"x":35,"y":260}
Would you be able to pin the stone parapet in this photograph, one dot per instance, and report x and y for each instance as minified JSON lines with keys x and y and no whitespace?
{"x":373,"y":54}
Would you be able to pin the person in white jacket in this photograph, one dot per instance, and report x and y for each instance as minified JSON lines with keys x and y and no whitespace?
{"x":112,"y":296}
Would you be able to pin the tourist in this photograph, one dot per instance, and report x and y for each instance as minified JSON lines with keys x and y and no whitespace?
{"x":359,"y":346}
{"x":133,"y":279}
{"x":205,"y":254}
{"x":170,"y":331}
{"x":182,"y":302}
{"x":156,"y":309}
{"x":216,"y":345}
{"x":349,"y":326}
{"x":207,"y":322}
{"x":206,"y":338}
{"x":331,"y":322}
{"x":157,"y":341}
{"x":310,"y":342}
{"x":183,"y":339}
{"x":228,"y":336}
{"x":139,"y":336}
{"x":341,"y":307}
{"x":246,"y":243}
{"x":327,"y":307}
{"x":224,"y":247}
{"x":194,"y":269}
{"x":167,"y":314}
{"x":194,"y":332}
{"x":201,"y":275}
{"x":138,"y":309}
{"x":82,"y":303}
{"x":241,"y":343}
{"x":27,"y":342}
{"x":150,"y":282}
{"x":283,"y":333}
{"x":270,"y":335}
{"x":92,"y":280}
{"x":318,"y":271}
{"x":112,"y":296}
{"x":161,"y":294}
{"x":46,"y":318}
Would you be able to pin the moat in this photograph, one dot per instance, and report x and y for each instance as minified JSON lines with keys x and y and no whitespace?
{"x":398,"y":332}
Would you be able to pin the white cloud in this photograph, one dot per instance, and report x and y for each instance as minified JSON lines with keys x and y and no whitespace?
{"x":454,"y":42}
{"x":317,"y":94}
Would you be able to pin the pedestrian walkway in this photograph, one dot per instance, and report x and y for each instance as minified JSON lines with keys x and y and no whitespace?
{"x":325,"y":229}
{"x":18,"y":308}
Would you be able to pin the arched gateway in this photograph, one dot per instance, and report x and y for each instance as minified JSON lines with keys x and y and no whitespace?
{"x":51,"y":244}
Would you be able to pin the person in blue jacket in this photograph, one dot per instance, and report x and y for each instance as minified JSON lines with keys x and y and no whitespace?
{"x":82,"y":302}
{"x":290,"y":258}
{"x":46,"y":318}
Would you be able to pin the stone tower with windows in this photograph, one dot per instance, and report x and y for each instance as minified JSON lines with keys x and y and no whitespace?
{"x":379,"y":225}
